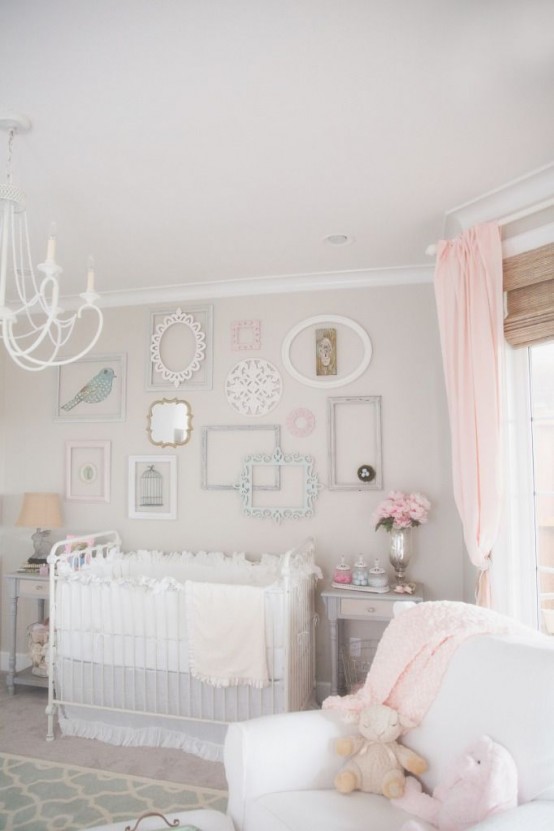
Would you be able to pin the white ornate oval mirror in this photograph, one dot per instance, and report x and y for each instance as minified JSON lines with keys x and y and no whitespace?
{"x":169,"y":422}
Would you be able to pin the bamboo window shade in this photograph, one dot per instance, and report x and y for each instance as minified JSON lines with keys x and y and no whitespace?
{"x":528,"y":281}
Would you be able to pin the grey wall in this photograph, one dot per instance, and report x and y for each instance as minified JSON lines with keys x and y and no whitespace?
{"x":405,"y":370}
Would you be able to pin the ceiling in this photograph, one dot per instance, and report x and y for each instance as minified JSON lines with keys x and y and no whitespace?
{"x":187,"y":142}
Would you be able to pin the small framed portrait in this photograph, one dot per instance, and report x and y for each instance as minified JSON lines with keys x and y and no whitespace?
{"x":326,"y":351}
{"x":87,"y":471}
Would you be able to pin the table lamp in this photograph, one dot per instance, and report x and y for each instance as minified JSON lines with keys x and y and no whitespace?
{"x":43,"y":512}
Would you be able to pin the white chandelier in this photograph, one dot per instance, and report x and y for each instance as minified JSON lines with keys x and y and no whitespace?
{"x":35,"y":330}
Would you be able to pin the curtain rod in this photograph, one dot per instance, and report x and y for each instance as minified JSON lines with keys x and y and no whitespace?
{"x":431,"y":250}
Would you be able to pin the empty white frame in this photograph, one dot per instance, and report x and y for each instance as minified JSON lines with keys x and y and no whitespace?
{"x":354,"y":440}
{"x":224,"y":448}
{"x":180,"y":348}
{"x":143,"y":470}
{"x":300,"y":481}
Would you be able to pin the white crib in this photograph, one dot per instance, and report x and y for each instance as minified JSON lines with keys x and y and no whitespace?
{"x":120,"y":666}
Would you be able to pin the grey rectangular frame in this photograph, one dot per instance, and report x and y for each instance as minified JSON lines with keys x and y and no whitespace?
{"x":374,"y":435}
{"x":228,"y":428}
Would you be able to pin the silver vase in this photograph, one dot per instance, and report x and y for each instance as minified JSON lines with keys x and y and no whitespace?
{"x":400,"y":553}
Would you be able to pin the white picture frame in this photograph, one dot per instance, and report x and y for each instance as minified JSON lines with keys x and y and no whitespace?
{"x":359,"y":416}
{"x":179,"y":348}
{"x":165,"y":467}
{"x":87,"y":471}
{"x":326,"y":381}
{"x":92,"y":389}
{"x":306,"y":493}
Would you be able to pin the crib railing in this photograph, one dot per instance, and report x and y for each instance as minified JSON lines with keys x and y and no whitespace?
{"x":74,"y":552}
{"x":160,"y":685}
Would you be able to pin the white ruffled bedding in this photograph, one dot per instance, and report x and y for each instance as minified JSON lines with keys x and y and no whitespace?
{"x":141,"y":622}
{"x":123,"y":643}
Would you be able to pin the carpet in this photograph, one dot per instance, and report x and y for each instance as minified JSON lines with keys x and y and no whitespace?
{"x":46,"y":796}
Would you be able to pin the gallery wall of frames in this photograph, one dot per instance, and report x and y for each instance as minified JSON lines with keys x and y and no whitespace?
{"x":244,"y":424}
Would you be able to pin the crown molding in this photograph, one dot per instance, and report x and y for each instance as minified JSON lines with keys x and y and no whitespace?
{"x":525,"y":192}
{"x":283,"y":284}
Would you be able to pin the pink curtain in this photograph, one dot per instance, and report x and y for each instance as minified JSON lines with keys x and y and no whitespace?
{"x":468,"y":291}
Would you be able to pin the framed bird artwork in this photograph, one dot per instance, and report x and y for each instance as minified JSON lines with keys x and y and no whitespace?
{"x":92,"y":389}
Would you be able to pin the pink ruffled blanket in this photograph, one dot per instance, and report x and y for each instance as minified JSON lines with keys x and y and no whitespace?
{"x":413,"y":655}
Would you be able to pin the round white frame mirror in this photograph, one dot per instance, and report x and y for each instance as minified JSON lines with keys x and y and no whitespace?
{"x":325,"y":381}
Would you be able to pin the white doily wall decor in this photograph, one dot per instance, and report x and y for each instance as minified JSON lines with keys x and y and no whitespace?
{"x":253,"y":387}
{"x":301,"y":422}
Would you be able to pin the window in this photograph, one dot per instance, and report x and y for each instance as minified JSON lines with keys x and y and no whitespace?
{"x":541,"y":373}
{"x":522,"y":577}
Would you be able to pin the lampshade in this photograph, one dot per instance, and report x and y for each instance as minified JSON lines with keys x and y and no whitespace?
{"x":40,"y":510}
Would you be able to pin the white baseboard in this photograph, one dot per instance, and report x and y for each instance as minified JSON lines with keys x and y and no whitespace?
{"x":21,"y":661}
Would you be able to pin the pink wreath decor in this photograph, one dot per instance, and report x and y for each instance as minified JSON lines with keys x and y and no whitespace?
{"x":301,"y":422}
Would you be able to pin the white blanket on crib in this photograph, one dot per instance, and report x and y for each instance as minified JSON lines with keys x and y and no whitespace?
{"x":226,"y":630}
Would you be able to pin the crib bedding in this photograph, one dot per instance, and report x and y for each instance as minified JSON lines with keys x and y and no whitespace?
{"x":126,"y":648}
{"x":141,"y":623}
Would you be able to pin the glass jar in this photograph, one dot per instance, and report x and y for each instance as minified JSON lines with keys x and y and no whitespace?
{"x":378,"y":578}
{"x":360,"y":574}
{"x":343,"y":572}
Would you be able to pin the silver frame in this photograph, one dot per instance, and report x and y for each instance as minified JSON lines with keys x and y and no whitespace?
{"x":353,"y":400}
{"x":227,"y":428}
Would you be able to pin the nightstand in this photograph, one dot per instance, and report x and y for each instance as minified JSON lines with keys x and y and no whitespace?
{"x":352,"y":604}
{"x":27,"y":587}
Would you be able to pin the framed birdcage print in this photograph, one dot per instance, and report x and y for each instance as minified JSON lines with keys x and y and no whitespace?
{"x":153,"y":487}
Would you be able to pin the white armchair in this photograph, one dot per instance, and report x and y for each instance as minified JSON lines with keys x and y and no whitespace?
{"x":280,"y":769}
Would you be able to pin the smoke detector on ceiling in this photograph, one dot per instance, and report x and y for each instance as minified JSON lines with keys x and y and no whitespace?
{"x":338,"y":239}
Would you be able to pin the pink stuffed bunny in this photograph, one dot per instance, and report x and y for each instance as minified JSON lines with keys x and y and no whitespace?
{"x":482,"y":782}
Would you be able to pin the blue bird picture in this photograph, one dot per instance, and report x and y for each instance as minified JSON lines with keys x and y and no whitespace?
{"x":96,"y":390}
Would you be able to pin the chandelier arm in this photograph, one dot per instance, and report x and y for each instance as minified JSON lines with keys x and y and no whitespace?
{"x":4,"y":254}
{"x":25,"y":360}
{"x":50,"y":310}
{"x":36,"y":332}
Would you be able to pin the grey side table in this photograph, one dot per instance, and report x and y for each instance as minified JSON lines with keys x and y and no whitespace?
{"x":28,"y":587}
{"x":349,"y":604}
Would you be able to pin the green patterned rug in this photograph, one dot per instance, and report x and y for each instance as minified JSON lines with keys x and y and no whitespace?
{"x":45,"y":796}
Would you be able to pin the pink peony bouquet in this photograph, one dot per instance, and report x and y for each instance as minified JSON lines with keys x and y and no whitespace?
{"x":401,"y":510}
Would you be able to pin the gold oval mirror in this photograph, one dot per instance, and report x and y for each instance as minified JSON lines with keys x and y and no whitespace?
{"x":169,"y":422}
